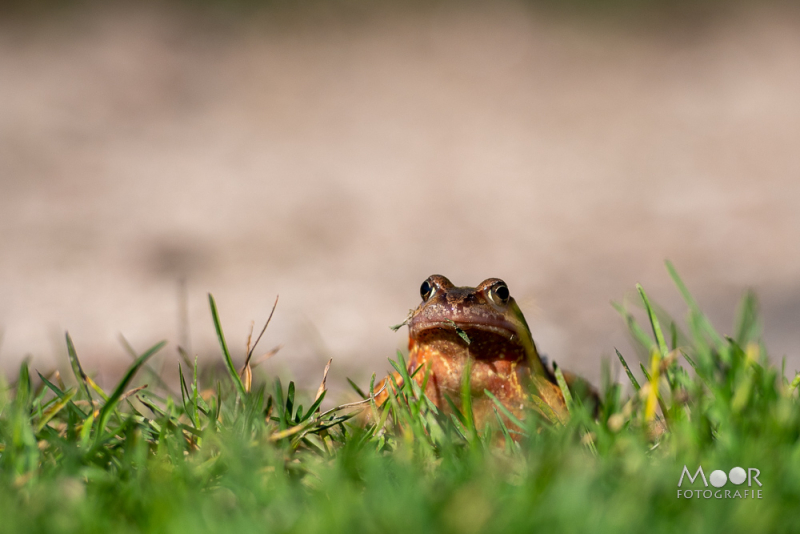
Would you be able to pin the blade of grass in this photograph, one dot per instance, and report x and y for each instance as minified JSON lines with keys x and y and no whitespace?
{"x":637,"y":332}
{"x":747,"y":328}
{"x":401,"y":367}
{"x":511,"y":417}
{"x":654,"y":323}
{"x":693,"y":306}
{"x":795,"y":382}
{"x":77,"y":370}
{"x":60,"y":393}
{"x":357,"y":389}
{"x":673,"y":331}
{"x":546,"y":411}
{"x":55,"y":408}
{"x":24,"y":389}
{"x":456,"y":412}
{"x":96,"y":388}
{"x":290,"y":401}
{"x":509,"y":443}
{"x":218,"y":404}
{"x":463,"y":335}
{"x":628,"y":371}
{"x":113,"y":399}
{"x":562,"y":383}
{"x":314,"y":407}
{"x":85,"y":432}
{"x":652,"y":394}
{"x":644,"y":370}
{"x":152,"y":372}
{"x":237,"y":382}
{"x":185,"y":395}
{"x":195,"y":394}
{"x":466,"y":399}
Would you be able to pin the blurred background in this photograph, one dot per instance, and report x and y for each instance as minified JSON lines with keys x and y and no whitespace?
{"x":338,"y":153}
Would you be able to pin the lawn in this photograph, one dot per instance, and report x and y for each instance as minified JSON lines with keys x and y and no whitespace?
{"x":227,"y":454}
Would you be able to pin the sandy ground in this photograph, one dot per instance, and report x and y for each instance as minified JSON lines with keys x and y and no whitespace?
{"x":340,"y":162}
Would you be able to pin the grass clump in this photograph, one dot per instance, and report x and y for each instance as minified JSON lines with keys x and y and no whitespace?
{"x":229,"y":455}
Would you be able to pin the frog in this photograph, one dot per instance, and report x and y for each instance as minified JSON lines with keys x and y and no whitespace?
{"x":481,"y":328}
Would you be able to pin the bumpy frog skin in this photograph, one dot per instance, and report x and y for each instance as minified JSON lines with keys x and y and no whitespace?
{"x":504,"y":357}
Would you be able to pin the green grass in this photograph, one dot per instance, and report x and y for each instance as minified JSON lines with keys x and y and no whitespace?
{"x":230,"y":456}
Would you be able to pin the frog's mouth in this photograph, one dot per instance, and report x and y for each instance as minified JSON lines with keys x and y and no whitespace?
{"x":509,"y":331}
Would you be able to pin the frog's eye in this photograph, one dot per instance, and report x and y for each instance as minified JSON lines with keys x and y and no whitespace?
{"x":499,"y":294}
{"x":426,"y":290}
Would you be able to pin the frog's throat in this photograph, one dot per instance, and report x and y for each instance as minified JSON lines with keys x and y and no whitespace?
{"x":514,"y":333}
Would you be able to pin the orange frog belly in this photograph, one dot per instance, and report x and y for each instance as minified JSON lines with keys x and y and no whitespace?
{"x":507,"y":379}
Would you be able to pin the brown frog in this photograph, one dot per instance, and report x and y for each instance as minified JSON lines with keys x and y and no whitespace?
{"x":483,"y":324}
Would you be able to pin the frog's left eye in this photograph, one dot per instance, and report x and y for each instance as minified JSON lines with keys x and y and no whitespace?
{"x":499,"y":294}
{"x":426,"y":290}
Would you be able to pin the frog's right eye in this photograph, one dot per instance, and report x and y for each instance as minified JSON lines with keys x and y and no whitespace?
{"x":426,"y":290}
{"x":499,"y":293}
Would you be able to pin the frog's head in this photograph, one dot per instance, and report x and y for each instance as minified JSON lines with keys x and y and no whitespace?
{"x":487,"y":315}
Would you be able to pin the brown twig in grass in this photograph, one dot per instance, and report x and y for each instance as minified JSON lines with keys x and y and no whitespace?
{"x":247,"y":370}
{"x":253,"y":348}
{"x":321,"y":389}
{"x":131,"y":392}
{"x":249,"y":338}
